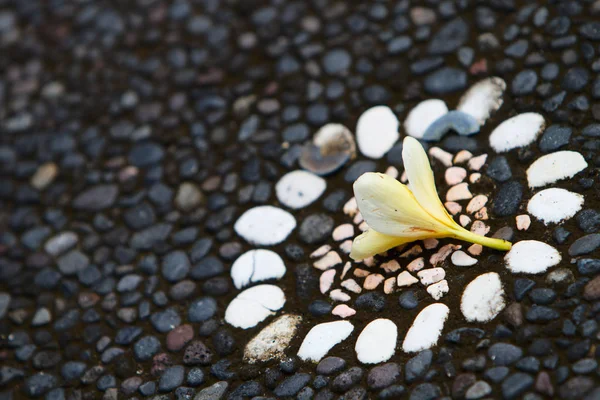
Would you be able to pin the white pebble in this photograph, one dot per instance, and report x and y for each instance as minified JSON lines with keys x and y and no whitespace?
{"x":405,"y":279}
{"x":351,"y":285}
{"x":438,"y":290}
{"x":459,"y":192}
{"x":326,"y":280}
{"x":298,"y":189}
{"x":342,"y":232}
{"x":531,"y":257}
{"x":377,"y":342}
{"x":351,"y":207}
{"x":477,"y":203}
{"x":462,"y":156}
{"x":377,"y":131}
{"x":330,"y":260}
{"x":255,"y":266}
{"x":423,"y":115}
{"x":431,"y":275}
{"x":426,"y":328}
{"x":442,"y":156}
{"x":483,"y":98}
{"x":554,"y":205}
{"x":321,"y":338}
{"x":518,"y":131}
{"x":462,"y":259}
{"x":455,"y":175}
{"x":555,"y":167}
{"x":483,"y":298}
{"x":476,"y":163}
{"x":273,"y":340}
{"x":253,"y":305}
{"x":321,"y":251}
{"x":338,"y":295}
{"x":265,"y":225}
{"x":523,"y":222}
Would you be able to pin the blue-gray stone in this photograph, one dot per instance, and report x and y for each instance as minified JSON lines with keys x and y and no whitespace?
{"x":446,"y":80}
{"x":457,"y":121}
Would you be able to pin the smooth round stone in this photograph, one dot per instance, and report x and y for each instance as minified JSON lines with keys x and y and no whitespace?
{"x":483,"y":298}
{"x":445,"y":80}
{"x":531,"y":257}
{"x":265,"y":225}
{"x":255,"y":266}
{"x":554,"y":167}
{"x":462,"y":259}
{"x":456,"y":121}
{"x":377,"y":342}
{"x":298,"y":189}
{"x":377,"y":131}
{"x":483,"y":98}
{"x":273,"y":340}
{"x":518,"y":131}
{"x":554,"y":205}
{"x":422,"y":115}
{"x":426,"y":328}
{"x":254,"y":305}
{"x":332,"y":146}
{"x":321,"y":338}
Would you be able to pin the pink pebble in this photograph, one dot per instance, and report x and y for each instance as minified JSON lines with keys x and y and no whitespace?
{"x":523,"y":222}
{"x":326,"y":280}
{"x":405,"y":279}
{"x":438,"y":290}
{"x":369,"y":261}
{"x":459,"y":192}
{"x":330,"y":260}
{"x":455,"y":175}
{"x":443,"y":156}
{"x":338,"y":295}
{"x":476,"y":163}
{"x":462,"y":156}
{"x":480,"y":228}
{"x":351,"y":285}
{"x":443,"y":253}
{"x":345,"y":270}
{"x":321,"y":251}
{"x":430,"y":243}
{"x":474,"y":177}
{"x":475,"y":249}
{"x":392,"y":171}
{"x":432,"y":275}
{"x":482,"y":214}
{"x":453,"y":207}
{"x":178,"y":337}
{"x":477,"y":203}
{"x":363,"y":227}
{"x":343,"y":311}
{"x":361,"y":273}
{"x":404,"y":177}
{"x":390,"y":266}
{"x":464,"y":220}
{"x":351,"y":208}
{"x":373,"y":281}
{"x":389,"y":285}
{"x":346,"y":246}
{"x":413,"y":251}
{"x":342,"y":232}
{"x":416,"y":265}
{"x":358,"y":219}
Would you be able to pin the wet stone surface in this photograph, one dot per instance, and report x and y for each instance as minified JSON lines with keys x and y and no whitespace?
{"x":145,"y":147}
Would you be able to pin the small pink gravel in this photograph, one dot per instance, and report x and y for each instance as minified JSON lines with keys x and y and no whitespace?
{"x":346,"y":246}
{"x":392,"y":171}
{"x":416,"y":265}
{"x":477,"y":203}
{"x":480,"y":228}
{"x":342,"y":232}
{"x":443,"y":253}
{"x":389,"y":285}
{"x":476,"y":163}
{"x":431,"y":276}
{"x":343,"y":311}
{"x":474,"y":177}
{"x":523,"y":222}
{"x":178,"y":337}
{"x":475,"y":249}
{"x":438,"y":290}
{"x":430,"y":243}
{"x":351,"y":285}
{"x":405,"y":279}
{"x":453,"y":207}
{"x":351,"y":208}
{"x":390,"y":266}
{"x":363,"y":226}
{"x":369,"y":261}
{"x":373,"y":281}
{"x":338,"y":295}
{"x":404,"y":177}
{"x":464,"y":220}
{"x":326,"y":280}
{"x":455,"y":175}
{"x":345,"y":270}
{"x":321,"y":251}
{"x":443,"y":156}
{"x":330,"y":260}
{"x":462,"y":156}
{"x":358,"y":219}
{"x":459,"y":192}
{"x":361,"y":273}
{"x":482,"y":214}
{"x":413,"y":251}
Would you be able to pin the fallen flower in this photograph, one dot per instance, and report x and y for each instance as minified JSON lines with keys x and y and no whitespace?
{"x":397,"y":214}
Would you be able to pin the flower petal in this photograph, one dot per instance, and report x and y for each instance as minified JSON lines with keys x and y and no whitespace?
{"x":421,"y":180}
{"x":371,"y":243}
{"x":389,"y":207}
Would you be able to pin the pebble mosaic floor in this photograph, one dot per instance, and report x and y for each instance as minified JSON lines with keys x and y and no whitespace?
{"x":177,"y":212}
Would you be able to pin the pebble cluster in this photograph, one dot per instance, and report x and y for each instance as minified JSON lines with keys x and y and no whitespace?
{"x":176,"y":207}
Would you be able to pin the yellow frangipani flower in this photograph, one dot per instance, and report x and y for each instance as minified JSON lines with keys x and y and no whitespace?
{"x":398,"y":214}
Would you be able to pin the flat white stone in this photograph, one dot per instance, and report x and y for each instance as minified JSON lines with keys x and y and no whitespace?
{"x":455,"y":175}
{"x":321,"y":338}
{"x":462,"y":259}
{"x":328,"y":261}
{"x":423,"y":115}
{"x":426,"y":328}
{"x":554,"y":167}
{"x":255,"y":266}
{"x":406,"y":279}
{"x":339,"y":295}
{"x":431,"y":275}
{"x":253,"y":305}
{"x":377,"y":342}
{"x":438,"y":290}
{"x":377,"y":131}
{"x":483,"y":98}
{"x":518,"y":131}
{"x":483,"y":298}
{"x":265,"y":225}
{"x":326,"y":280}
{"x":554,"y":205}
{"x":273,"y":340}
{"x":531,"y":257}
{"x":342,"y":232}
{"x":298,"y":189}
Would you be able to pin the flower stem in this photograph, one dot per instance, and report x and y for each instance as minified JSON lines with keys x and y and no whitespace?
{"x":498,"y":244}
